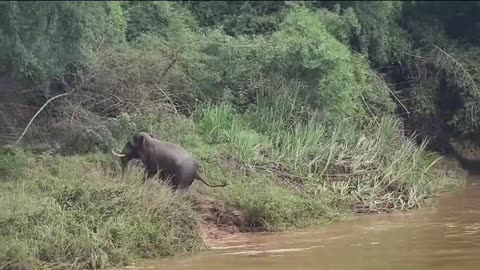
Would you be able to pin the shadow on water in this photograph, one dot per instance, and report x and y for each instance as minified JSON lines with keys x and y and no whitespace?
{"x":446,"y":236}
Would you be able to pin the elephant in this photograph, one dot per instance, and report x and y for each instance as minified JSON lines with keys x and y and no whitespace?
{"x":166,"y":159}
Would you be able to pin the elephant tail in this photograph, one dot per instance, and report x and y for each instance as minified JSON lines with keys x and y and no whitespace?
{"x":200,"y":178}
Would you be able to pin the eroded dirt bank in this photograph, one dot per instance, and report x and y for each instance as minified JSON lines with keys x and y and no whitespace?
{"x":222,"y":222}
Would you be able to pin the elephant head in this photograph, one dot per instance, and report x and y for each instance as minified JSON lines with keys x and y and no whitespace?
{"x":133,"y":149}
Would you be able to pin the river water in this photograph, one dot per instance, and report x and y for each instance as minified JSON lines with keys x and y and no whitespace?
{"x":446,"y":236}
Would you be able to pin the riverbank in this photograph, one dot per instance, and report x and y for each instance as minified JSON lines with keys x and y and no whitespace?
{"x":221,"y":223}
{"x":444,"y":236}
{"x":78,"y":211}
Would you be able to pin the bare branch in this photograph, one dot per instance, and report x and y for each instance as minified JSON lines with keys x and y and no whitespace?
{"x":38,"y":112}
{"x":381,"y":83}
{"x":455,"y":69}
{"x":174,"y":60}
{"x":171,"y":102}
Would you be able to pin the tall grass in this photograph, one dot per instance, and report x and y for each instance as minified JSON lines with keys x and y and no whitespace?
{"x":218,"y":124}
{"x":373,"y":166}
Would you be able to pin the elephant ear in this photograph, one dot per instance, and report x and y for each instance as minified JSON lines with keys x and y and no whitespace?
{"x":140,"y":140}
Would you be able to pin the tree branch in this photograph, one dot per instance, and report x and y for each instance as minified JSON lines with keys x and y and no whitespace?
{"x":38,"y":112}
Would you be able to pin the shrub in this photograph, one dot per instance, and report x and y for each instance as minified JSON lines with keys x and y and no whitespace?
{"x":376,"y":170}
{"x":42,"y":42}
{"x":336,"y":81}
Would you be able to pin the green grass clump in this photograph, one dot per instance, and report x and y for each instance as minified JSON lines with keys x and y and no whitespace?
{"x":71,"y":211}
{"x":373,"y":167}
{"x":272,"y":207}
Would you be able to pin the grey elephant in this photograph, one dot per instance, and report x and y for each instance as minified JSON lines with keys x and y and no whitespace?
{"x":168,"y":160}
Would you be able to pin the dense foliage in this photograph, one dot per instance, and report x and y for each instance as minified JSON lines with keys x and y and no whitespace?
{"x":45,"y":40}
{"x":303,"y":107}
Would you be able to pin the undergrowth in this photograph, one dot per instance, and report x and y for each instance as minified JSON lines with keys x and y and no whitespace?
{"x":78,"y":210}
{"x":74,"y":212}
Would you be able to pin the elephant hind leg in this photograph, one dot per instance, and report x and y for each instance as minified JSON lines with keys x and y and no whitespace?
{"x":162,"y":176}
{"x":169,"y":179}
{"x":184,"y":184}
{"x":185,"y":180}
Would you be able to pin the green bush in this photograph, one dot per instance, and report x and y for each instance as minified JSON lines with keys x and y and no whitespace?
{"x":274,"y":208}
{"x":214,"y":122}
{"x":302,"y":49}
{"x":43,"y":41}
{"x":337,"y":80}
{"x":238,"y":18}
{"x":163,"y":19}
{"x":380,"y":34}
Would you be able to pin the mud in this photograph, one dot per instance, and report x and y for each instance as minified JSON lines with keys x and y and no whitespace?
{"x":220,"y":221}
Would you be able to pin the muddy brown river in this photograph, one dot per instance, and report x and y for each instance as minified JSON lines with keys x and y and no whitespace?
{"x":446,"y":236}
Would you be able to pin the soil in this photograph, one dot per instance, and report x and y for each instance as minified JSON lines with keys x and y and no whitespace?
{"x":220,"y":221}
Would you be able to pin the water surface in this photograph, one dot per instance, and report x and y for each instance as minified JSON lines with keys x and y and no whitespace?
{"x":444,"y":237}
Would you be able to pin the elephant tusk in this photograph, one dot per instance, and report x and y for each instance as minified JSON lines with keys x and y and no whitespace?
{"x":118,"y":155}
